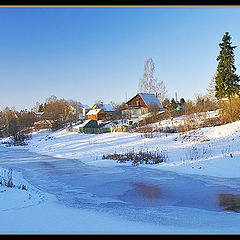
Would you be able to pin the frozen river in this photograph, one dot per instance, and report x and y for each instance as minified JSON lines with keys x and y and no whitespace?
{"x":131,"y":192}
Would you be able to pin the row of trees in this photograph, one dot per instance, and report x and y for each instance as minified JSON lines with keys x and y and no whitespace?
{"x":57,"y":113}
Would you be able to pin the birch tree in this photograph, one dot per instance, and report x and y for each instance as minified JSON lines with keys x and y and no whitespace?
{"x":148,"y":82}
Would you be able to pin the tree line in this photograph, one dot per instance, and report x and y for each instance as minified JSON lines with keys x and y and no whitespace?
{"x":58,"y":113}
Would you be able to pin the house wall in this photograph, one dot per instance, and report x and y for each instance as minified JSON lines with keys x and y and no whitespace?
{"x":100,"y":116}
{"x":94,"y":117}
{"x":134,"y":113}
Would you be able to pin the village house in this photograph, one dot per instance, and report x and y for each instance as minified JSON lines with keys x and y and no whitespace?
{"x":141,"y":104}
{"x":101,"y":112}
{"x":107,"y":108}
{"x":96,"y":114}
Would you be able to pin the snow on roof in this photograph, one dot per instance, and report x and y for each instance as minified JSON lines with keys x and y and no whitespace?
{"x":94,"y":111}
{"x":85,"y":123}
{"x":107,"y":108}
{"x":150,"y":98}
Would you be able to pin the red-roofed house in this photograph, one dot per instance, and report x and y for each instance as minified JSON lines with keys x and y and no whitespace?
{"x":140,"y":104}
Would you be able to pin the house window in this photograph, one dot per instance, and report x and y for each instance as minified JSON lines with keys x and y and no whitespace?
{"x":137,"y":103}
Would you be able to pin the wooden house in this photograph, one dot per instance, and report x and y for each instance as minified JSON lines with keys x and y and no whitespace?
{"x":96,"y":114}
{"x":107,"y":108}
{"x":141,"y":104}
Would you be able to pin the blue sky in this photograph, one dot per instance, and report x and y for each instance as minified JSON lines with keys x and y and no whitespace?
{"x":98,"y":53}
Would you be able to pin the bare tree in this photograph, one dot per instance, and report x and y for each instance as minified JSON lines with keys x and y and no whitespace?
{"x":9,"y":121}
{"x":51,"y":99}
{"x":161,"y":91}
{"x":147,"y":82}
{"x":57,"y":111}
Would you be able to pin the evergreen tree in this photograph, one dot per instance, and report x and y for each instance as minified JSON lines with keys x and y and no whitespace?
{"x":182,"y":101}
{"x":41,"y":108}
{"x":227,"y":82}
{"x":173,"y":104}
{"x":211,"y":90}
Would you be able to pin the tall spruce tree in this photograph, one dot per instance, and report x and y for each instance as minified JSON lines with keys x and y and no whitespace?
{"x":227,"y":82}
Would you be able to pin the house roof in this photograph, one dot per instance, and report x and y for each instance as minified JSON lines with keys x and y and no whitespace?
{"x":105,"y":107}
{"x":148,"y":98}
{"x":86,"y":122}
{"x":94,"y":111}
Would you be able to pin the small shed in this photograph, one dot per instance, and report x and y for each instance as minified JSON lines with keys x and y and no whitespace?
{"x":91,"y":126}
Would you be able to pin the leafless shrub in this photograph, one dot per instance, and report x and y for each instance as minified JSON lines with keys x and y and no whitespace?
{"x":230,"y":109}
{"x":188,"y":124}
{"x":196,"y":152}
{"x":196,"y":135}
{"x":211,"y":122}
{"x":148,"y":157}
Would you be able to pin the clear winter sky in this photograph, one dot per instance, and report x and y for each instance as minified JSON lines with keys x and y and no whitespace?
{"x":98,"y":53}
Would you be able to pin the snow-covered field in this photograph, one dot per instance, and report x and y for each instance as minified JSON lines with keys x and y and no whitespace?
{"x":212,"y":151}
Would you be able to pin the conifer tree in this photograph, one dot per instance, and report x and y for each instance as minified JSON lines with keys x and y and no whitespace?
{"x":41,"y":108}
{"x":211,"y":90}
{"x":227,"y":82}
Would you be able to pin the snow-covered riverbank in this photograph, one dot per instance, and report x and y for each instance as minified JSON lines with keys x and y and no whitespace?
{"x":213,"y":151}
